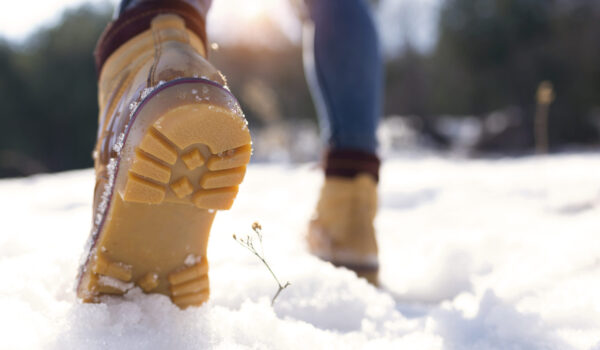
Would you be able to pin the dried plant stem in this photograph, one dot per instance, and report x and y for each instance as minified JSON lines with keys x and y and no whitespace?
{"x":248,"y":243}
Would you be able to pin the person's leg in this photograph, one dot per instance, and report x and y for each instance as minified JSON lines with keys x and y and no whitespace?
{"x":172,"y":149}
{"x":344,"y":70}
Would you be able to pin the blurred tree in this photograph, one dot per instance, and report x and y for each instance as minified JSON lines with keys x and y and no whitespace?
{"x":494,"y":53}
{"x":48,"y":95}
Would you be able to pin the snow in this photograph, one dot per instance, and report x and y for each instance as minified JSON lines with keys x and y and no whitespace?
{"x":475,"y":254}
{"x":115,"y":283}
{"x":192,"y":259}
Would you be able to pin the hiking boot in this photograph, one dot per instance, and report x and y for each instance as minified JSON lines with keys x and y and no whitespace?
{"x":342,"y":230}
{"x":172,"y":148}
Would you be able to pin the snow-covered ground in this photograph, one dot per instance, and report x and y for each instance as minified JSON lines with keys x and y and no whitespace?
{"x":475,"y":254}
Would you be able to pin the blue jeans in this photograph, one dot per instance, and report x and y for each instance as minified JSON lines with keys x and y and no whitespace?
{"x":343,"y":67}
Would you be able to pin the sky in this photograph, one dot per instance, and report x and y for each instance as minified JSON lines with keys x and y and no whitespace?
{"x":398,"y":20}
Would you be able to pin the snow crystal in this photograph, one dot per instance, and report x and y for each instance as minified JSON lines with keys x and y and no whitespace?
{"x":192,"y":259}
{"x":115,"y":283}
{"x":147,"y":91}
{"x":133,"y":105}
{"x":119,"y":143}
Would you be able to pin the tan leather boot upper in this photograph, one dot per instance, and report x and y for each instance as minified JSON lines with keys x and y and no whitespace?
{"x":342,"y":230}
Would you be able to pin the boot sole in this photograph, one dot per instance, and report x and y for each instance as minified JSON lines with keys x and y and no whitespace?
{"x":370,"y":273}
{"x":182,"y":159}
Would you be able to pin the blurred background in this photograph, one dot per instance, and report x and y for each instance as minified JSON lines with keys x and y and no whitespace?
{"x":479,"y":78}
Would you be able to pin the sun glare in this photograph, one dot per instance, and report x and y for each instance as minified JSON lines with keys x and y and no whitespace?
{"x":254,"y":9}
{"x":252,"y":20}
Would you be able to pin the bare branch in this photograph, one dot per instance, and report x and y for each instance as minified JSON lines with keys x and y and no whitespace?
{"x":248,"y":243}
